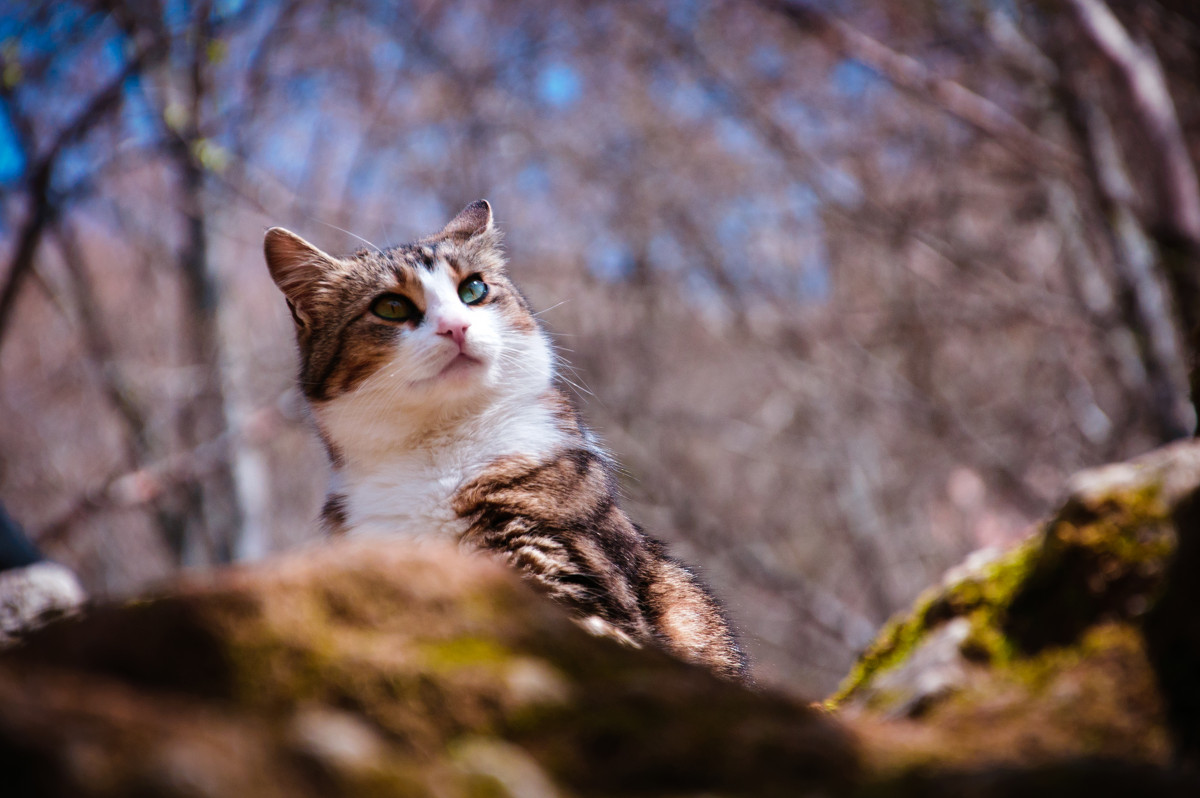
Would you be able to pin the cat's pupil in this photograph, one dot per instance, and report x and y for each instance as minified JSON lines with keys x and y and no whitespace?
{"x":472,"y":290}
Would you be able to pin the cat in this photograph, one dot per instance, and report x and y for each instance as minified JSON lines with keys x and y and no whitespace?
{"x":433,"y":389}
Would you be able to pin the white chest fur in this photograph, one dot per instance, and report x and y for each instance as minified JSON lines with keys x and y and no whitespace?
{"x":404,"y":497}
{"x":409,"y":492}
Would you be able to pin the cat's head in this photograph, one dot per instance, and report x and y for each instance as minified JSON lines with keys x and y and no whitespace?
{"x":429,"y":326}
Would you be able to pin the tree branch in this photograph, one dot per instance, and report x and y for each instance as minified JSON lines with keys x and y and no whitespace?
{"x":907,"y":73}
{"x":1177,"y":206}
{"x":44,"y":208}
{"x":1175,"y":214}
{"x":101,"y":353}
{"x":149,"y":483}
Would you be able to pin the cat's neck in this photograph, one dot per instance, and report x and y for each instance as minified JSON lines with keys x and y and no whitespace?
{"x":464,"y":434}
{"x":399,"y":476}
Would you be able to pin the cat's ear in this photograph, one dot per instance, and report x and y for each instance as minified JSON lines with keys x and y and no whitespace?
{"x":472,"y":220}
{"x":297,"y":267}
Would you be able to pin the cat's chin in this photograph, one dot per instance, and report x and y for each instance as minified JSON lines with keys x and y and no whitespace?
{"x":462,"y":367}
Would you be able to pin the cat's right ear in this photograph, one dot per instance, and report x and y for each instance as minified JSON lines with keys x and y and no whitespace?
{"x":297,"y":268}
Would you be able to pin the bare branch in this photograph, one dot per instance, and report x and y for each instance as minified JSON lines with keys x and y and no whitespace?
{"x":909,"y":74}
{"x":43,"y":208}
{"x":1178,"y":201}
{"x":99,"y":346}
{"x":149,"y":483}
{"x":1175,"y":216}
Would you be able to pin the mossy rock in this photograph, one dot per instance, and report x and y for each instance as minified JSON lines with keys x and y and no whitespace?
{"x":1048,"y":652}
{"x":375,"y":668}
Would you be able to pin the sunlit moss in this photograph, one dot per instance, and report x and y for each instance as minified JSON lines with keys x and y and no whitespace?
{"x":1098,"y":558}
{"x":463,"y":652}
{"x":982,"y":596}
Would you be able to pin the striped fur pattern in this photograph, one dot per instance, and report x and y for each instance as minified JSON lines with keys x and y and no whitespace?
{"x":433,"y":389}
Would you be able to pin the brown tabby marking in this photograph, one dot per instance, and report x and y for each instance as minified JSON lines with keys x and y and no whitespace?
{"x":333,"y":515}
{"x":557,"y":520}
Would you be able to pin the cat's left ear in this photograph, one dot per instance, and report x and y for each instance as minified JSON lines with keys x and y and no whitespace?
{"x":298,"y":268}
{"x":472,"y":220}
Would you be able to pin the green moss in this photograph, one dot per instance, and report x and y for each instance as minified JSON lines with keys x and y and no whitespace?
{"x":1103,"y":559}
{"x":986,"y":643}
{"x":1086,"y":564}
{"x":982,"y":596}
{"x":461,"y":652}
{"x":1097,"y":697}
{"x":1129,"y":526}
{"x":272,"y":667}
{"x":1037,"y":671}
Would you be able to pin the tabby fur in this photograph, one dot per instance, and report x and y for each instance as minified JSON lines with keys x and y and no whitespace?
{"x":450,"y":424}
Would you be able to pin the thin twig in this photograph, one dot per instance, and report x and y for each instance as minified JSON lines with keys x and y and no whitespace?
{"x":43,"y":207}
{"x":142,"y":486}
{"x":905,"y":72}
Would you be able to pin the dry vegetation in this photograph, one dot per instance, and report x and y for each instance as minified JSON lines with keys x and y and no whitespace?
{"x":842,"y":315}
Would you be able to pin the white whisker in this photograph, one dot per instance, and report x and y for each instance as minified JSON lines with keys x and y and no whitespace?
{"x":347,"y":232}
{"x":552,"y":307}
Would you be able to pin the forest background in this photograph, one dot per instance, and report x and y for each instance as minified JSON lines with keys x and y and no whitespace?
{"x":850,"y":288}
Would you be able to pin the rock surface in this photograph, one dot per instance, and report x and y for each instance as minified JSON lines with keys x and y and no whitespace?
{"x":35,"y":595}
{"x":369,"y":668}
{"x":380,"y":669}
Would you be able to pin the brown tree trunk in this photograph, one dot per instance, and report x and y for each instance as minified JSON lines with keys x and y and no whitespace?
{"x":205,"y":517}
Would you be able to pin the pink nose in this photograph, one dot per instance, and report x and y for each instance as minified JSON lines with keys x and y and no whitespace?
{"x":454,"y":329}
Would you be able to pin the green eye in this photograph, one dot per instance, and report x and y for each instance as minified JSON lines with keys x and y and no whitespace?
{"x":393,"y":307}
{"x":472,"y":291}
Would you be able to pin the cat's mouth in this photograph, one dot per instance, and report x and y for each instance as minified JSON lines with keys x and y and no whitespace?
{"x":461,"y":364}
